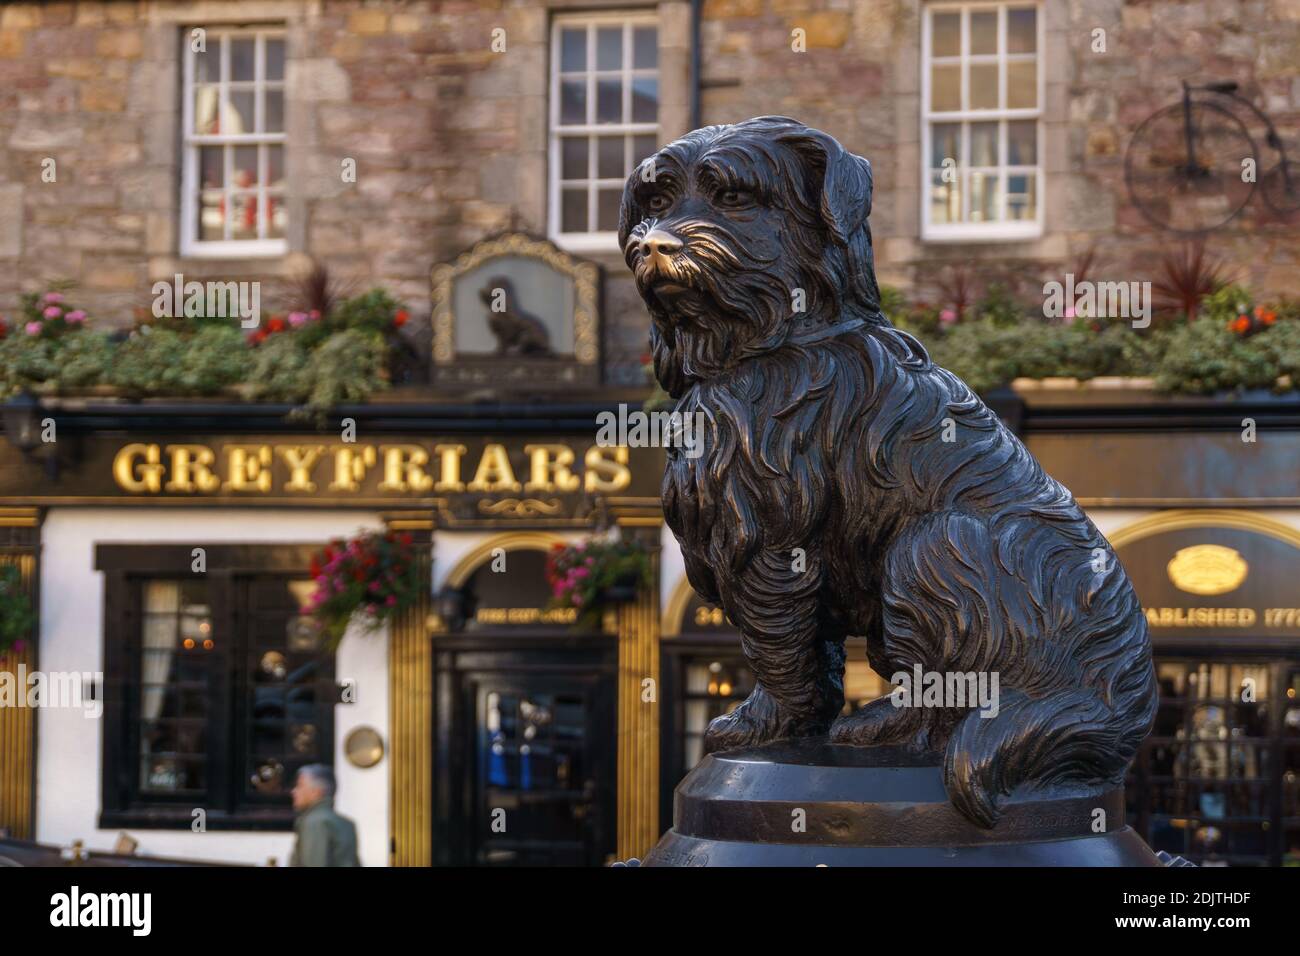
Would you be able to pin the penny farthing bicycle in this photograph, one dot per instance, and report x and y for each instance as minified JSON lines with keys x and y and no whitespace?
{"x":1192,"y":166}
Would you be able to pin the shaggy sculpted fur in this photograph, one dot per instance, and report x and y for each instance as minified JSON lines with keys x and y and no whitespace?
{"x":828,"y":503}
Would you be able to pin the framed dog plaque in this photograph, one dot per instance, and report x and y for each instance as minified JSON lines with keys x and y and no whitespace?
{"x":516,"y":311}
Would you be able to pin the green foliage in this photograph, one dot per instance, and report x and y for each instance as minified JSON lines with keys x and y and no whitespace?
{"x":999,"y":307}
{"x":892,"y":302}
{"x":25,"y":362}
{"x":1205,"y":356}
{"x":345,"y":367}
{"x":17,"y":617}
{"x":166,"y":362}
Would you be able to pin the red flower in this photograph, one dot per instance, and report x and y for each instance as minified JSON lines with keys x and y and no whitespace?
{"x":401,"y":318}
{"x":1240,"y":325}
{"x":406,"y":539}
{"x":276,"y":325}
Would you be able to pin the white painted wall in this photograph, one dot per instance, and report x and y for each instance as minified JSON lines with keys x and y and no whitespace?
{"x":69,"y":745}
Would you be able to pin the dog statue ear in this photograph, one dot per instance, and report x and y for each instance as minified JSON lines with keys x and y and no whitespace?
{"x":846,"y":181}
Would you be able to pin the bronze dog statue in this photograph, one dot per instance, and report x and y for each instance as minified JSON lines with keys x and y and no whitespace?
{"x":515,"y":329}
{"x":850,"y":486}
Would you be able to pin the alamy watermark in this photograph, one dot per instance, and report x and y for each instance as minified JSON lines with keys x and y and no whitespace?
{"x":193,"y":300}
{"x":52,"y":689}
{"x":1098,"y":300}
{"x":640,"y":429}
{"x":922,"y":688}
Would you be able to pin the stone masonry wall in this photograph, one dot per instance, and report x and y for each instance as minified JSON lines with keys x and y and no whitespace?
{"x":450,"y":138}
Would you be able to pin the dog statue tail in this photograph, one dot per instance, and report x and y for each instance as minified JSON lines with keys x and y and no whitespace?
{"x":1061,"y":736}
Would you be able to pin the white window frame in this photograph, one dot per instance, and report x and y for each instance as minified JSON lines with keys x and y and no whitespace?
{"x":1002,"y":230}
{"x":594,"y":241}
{"x":190,"y":245}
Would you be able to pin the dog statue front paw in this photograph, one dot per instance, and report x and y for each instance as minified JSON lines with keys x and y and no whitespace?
{"x":756,"y":720}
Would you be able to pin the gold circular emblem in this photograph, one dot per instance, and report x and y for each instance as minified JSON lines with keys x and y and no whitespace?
{"x":364,"y":747}
{"x":1207,"y":569}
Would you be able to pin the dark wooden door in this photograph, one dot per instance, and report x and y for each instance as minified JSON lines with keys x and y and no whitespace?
{"x":532,"y":758}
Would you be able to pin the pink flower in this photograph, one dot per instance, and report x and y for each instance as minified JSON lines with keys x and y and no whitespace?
{"x":581,"y":573}
{"x":298,"y":319}
{"x":947,"y":316}
{"x":33,"y":328}
{"x":54,"y":297}
{"x":53,"y":312}
{"x":390,"y":600}
{"x":76,"y":315}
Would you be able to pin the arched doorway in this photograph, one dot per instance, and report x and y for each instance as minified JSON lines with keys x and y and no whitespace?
{"x":524,"y":712}
{"x":1218,"y":779}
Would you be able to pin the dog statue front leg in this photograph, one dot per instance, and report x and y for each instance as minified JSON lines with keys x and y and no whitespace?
{"x":799,"y":673}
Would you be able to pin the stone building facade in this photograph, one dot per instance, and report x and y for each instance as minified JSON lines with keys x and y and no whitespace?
{"x":448,"y":110}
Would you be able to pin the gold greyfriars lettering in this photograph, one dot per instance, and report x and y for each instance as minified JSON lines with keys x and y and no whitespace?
{"x":244,"y":469}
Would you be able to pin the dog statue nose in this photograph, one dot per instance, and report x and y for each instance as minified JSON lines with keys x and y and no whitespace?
{"x":660,"y":243}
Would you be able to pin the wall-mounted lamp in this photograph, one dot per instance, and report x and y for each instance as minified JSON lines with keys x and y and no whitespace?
{"x":454,"y":607}
{"x":22,"y":420}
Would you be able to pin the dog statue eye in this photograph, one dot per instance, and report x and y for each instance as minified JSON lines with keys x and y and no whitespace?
{"x":734,"y":198}
{"x":658,"y":203}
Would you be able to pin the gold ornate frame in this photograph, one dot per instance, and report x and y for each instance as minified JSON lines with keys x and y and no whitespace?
{"x":585,"y":276}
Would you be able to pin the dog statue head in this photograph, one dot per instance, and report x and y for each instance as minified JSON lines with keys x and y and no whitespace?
{"x":744,"y":238}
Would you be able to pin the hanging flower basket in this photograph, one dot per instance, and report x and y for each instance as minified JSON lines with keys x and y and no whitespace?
{"x":592,"y":575}
{"x":17,"y":618}
{"x":369,"y":579}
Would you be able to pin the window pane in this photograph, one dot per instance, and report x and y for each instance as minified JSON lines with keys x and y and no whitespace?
{"x":984,"y":197}
{"x":573,"y":101}
{"x":945,"y":87}
{"x":945,"y":34}
{"x":1022,"y":85}
{"x":984,"y":32}
{"x":573,"y":210}
{"x":983,"y":144}
{"x":642,"y":146}
{"x":243,"y":216}
{"x":275,"y":59}
{"x":1022,"y":197}
{"x":211,"y":167}
{"x":205,"y":110}
{"x":176,"y":643}
{"x":1022,"y":31}
{"x":279,"y":217}
{"x":573,"y":157}
{"x":273,"y":115}
{"x":607,"y":203}
{"x":241,"y":59}
{"x":275,"y":165}
{"x":984,"y":86}
{"x":609,"y":48}
{"x":645,"y":48}
{"x":945,"y":143}
{"x":609,"y":101}
{"x":238,"y":113}
{"x":645,"y":100}
{"x":945,"y":200}
{"x":244,"y":171}
{"x":211,"y":215}
{"x":1022,"y":143}
{"x":573,"y":50}
{"x":207,"y":64}
{"x":609,"y":157}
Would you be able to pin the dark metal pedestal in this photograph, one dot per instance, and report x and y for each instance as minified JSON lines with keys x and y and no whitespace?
{"x":875,"y":806}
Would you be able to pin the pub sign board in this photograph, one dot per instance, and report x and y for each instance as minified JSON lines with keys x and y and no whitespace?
{"x":518,"y":311}
{"x":1219,"y":581}
{"x":540,"y":478}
